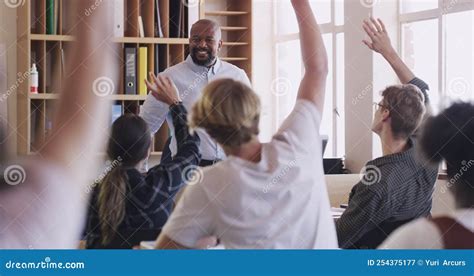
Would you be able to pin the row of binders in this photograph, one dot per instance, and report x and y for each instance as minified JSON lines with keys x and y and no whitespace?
{"x":136,"y":67}
{"x":181,"y":17}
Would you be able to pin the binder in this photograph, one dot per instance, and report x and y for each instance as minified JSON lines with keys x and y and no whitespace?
{"x":175,"y":18}
{"x":142,"y":70}
{"x":160,"y":58}
{"x":157,"y":59}
{"x":119,"y":18}
{"x":50,"y":17}
{"x":183,"y":12}
{"x":130,"y":70}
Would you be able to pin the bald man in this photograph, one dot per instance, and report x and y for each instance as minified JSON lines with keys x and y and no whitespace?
{"x":191,"y":76}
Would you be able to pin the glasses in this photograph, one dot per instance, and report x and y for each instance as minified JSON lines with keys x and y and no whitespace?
{"x":379,"y":105}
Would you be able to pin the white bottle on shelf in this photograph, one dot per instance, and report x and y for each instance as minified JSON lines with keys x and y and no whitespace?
{"x":34,"y":79}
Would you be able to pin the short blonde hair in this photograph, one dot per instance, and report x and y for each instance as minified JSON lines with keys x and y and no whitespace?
{"x":229,"y":111}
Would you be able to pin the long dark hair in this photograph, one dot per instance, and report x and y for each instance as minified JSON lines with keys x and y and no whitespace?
{"x":449,"y":137}
{"x":129,"y":144}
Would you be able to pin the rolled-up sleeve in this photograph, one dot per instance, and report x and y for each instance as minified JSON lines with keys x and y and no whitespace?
{"x":423,"y":87}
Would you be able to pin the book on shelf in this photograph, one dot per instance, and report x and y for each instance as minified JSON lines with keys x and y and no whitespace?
{"x":175,"y":18}
{"x":160,"y":58}
{"x":50,"y":17}
{"x":190,"y":17}
{"x":130,"y":70}
{"x":142,"y":70}
{"x":63,"y":62}
{"x":56,"y":17}
{"x":141,"y":28}
{"x":158,"y":28}
{"x":119,"y":18}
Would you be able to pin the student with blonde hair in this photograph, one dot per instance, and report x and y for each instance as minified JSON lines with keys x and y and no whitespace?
{"x":265,"y":195}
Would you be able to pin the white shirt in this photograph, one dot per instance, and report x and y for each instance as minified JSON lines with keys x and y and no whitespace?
{"x":280,"y":202}
{"x":424,"y":234}
{"x":190,"y":79}
{"x":46,"y":211}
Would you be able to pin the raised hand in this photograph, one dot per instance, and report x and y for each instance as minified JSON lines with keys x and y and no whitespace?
{"x":163,"y":89}
{"x":379,"y":39}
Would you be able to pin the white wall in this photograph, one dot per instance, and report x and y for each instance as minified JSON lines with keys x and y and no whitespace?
{"x":359,"y":88}
{"x":367,"y":73}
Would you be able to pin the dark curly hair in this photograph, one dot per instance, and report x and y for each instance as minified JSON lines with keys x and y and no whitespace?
{"x":450,"y":137}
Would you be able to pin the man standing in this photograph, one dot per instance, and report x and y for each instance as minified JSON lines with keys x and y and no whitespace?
{"x":191,"y":76}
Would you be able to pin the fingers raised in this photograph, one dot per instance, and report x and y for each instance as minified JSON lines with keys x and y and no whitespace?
{"x":382,"y":25}
{"x":376,"y":25}
{"x":368,"y":30}
{"x":368,"y":44}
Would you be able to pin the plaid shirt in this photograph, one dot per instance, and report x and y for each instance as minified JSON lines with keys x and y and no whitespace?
{"x":150,"y":197}
{"x":395,"y":187}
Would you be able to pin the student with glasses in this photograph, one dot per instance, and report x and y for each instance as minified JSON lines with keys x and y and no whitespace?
{"x":397,"y":187}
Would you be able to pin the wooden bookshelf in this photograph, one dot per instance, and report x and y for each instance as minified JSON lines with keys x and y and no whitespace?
{"x":235,"y":19}
{"x":48,"y":50}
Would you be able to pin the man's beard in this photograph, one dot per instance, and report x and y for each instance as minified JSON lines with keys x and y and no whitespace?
{"x":206,"y":62}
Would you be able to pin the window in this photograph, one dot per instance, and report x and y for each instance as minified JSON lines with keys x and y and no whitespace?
{"x":289,"y":67}
{"x":459,"y":55}
{"x":437,"y":42}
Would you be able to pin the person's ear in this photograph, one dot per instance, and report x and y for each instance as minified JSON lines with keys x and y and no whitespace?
{"x":219,"y":45}
{"x":385,"y":115}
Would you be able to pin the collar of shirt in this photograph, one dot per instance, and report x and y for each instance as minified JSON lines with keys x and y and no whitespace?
{"x":396,"y":157}
{"x":198,"y":68}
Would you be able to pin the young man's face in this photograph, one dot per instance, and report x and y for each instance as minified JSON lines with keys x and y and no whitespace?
{"x":380,"y":115}
{"x":204,"y":43}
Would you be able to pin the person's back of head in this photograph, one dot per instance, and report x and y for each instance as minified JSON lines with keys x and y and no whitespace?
{"x":449,"y":136}
{"x":229,"y":111}
{"x":129,"y":144}
{"x":404,"y":106}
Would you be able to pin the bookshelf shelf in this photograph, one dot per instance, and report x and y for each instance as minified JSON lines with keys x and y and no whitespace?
{"x":44,"y":96}
{"x":45,"y":37}
{"x":48,"y":42}
{"x":226,"y":13}
{"x":117,"y":97}
{"x":151,"y":40}
{"x":235,"y":43}
{"x":230,"y":29}
{"x":234,"y":59}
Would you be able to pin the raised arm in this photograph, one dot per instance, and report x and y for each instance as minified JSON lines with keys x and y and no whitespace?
{"x":188,"y":153}
{"x":82,"y":117}
{"x":315,"y":60}
{"x":380,"y":42}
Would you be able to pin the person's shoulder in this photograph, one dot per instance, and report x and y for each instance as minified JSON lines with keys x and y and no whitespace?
{"x":229,"y":66}
{"x":175,"y":68}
